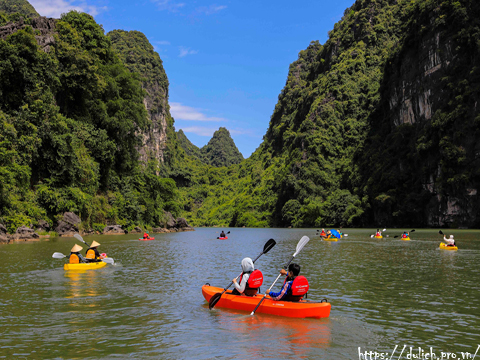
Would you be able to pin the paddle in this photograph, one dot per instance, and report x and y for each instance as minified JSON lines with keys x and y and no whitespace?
{"x":57,"y":255}
{"x":225,"y":234}
{"x":401,"y":235}
{"x":214,"y":299}
{"x":303,"y":241}
{"x":77,"y":236}
{"x":374,"y":234}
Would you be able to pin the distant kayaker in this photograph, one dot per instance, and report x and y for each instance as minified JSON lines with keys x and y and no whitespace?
{"x":405,"y":235}
{"x":222,"y":234}
{"x":378,"y":233}
{"x":249,"y":281}
{"x":323,"y":233}
{"x":449,"y":242}
{"x":75,"y":257}
{"x":145,"y":235}
{"x":92,"y":253}
{"x":294,"y":287}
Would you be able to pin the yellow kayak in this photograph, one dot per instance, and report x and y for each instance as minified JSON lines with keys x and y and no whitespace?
{"x":84,"y":266}
{"x":330,"y":238}
{"x":378,"y":237}
{"x":445,"y":247}
{"x":407,"y":238}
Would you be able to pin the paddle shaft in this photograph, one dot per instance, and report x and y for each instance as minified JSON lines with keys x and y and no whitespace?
{"x":270,"y":288}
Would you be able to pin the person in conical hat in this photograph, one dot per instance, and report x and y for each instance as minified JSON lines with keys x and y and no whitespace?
{"x":75,"y":257}
{"x":92,"y":253}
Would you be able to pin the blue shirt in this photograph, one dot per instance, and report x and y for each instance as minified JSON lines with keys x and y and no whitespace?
{"x":283,"y":292}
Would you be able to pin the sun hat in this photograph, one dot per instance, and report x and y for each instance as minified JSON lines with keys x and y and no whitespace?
{"x":94,"y":244}
{"x":76,"y":248}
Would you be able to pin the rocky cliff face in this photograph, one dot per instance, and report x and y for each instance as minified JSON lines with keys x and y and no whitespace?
{"x":139,"y":56}
{"x":44,"y":30}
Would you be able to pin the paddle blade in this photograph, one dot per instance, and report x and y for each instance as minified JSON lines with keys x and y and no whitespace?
{"x":441,"y":232}
{"x":371,"y":236}
{"x":412,"y":230}
{"x":269,"y":245}
{"x":77,"y":236}
{"x":57,"y":255}
{"x":109,"y":261}
{"x":345,"y":234}
{"x":303,"y":241}
{"x":384,"y":230}
{"x":396,"y":236}
{"x":213,"y":300}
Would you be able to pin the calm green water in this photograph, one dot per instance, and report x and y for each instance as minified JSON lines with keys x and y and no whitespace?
{"x":384,"y":293}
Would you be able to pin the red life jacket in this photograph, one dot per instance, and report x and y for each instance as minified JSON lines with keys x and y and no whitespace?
{"x":254,"y":281}
{"x":298,"y":288}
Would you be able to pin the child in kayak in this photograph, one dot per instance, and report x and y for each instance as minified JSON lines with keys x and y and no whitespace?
{"x":249,"y":281}
{"x":449,"y":242}
{"x":92,"y":253}
{"x":294,"y":287}
{"x":75,"y":257}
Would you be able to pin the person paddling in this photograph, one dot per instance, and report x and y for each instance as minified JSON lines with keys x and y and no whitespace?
{"x":323,"y":233}
{"x":222,"y":234}
{"x":250,"y":280}
{"x":75,"y":257}
{"x":92,"y":253}
{"x":378,"y":233}
{"x":449,"y":242}
{"x":145,"y":235}
{"x":405,"y":235}
{"x":294,"y":287}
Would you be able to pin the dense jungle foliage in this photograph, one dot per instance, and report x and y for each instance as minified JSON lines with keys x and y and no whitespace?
{"x":69,"y":120}
{"x":335,"y":156}
{"x":376,"y":126}
{"x":21,"y":7}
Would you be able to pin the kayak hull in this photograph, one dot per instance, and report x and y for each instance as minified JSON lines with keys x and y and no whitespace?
{"x":301,"y":309}
{"x":148,"y":239}
{"x":378,"y":237}
{"x":444,"y":246}
{"x":223,"y":238}
{"x":332,"y":238}
{"x":85,"y":266}
{"x":405,"y":239}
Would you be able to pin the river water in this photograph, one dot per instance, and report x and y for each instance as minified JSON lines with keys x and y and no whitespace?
{"x":387,"y":295}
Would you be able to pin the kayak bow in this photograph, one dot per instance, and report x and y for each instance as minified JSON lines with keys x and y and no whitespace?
{"x":85,"y":266}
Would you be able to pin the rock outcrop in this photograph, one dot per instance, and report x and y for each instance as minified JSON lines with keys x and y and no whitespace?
{"x":44,"y":30}
{"x":114,"y":230}
{"x":68,"y":226}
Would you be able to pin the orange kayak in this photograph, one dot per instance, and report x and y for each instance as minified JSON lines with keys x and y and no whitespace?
{"x":301,"y":309}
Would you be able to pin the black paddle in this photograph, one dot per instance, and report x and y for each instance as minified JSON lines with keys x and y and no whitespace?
{"x":401,"y":235}
{"x":225,"y":234}
{"x":266,"y":248}
{"x":303,"y":241}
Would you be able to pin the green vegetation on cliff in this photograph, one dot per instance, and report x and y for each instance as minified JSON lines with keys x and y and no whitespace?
{"x":68,"y":139}
{"x":22,"y":7}
{"x":345,"y":147}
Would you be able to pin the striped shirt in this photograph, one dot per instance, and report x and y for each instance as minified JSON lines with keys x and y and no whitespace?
{"x":283,"y":292}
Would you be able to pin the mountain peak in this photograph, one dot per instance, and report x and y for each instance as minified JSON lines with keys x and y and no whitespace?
{"x":18,"y":6}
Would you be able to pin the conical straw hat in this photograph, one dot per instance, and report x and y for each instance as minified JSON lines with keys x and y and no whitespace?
{"x":76,"y":248}
{"x":94,"y":244}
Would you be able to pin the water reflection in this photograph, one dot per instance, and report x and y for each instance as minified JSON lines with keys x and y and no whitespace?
{"x":81,"y":283}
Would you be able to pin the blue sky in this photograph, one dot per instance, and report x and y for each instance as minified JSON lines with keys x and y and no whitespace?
{"x":226,"y":61}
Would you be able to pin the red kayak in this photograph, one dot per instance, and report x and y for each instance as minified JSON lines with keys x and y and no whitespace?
{"x":223,"y":238}
{"x":300,"y":309}
{"x":147,"y":239}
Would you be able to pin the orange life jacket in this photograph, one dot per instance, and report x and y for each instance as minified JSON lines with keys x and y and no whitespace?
{"x":74,"y":259}
{"x":90,"y":254}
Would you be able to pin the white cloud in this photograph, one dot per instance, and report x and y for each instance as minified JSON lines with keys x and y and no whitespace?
{"x":212,"y":9}
{"x":199,"y":130}
{"x":162,"y":42}
{"x":182,"y":112}
{"x":184,"y":51}
{"x":55,"y":8}
{"x":168,"y":5}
